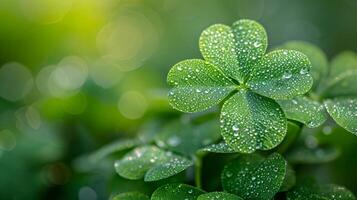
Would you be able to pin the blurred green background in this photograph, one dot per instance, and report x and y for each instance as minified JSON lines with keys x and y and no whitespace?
{"x":77,"y":74}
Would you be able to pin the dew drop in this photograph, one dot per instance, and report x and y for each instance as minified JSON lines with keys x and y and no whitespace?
{"x":304,"y":70}
{"x":229,"y":174}
{"x":235,"y":128}
{"x":287,"y":75}
{"x":257,"y":44}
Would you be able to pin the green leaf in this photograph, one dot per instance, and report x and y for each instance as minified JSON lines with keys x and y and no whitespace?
{"x":281,"y":74}
{"x":112,"y":148}
{"x":343,"y":76}
{"x":253,"y":177}
{"x":176,"y":191}
{"x":305,"y":110}
{"x":318,"y":59}
{"x":250,"y":122}
{"x":198,"y":85}
{"x":218,"y":196}
{"x":304,"y":155}
{"x":218,"y":46}
{"x":174,"y":165}
{"x":344,"y":112}
{"x":148,"y":160}
{"x":218,"y":148}
{"x":186,"y":138}
{"x":251,"y":44}
{"x":326,"y":192}
{"x":343,"y":62}
{"x":130,"y":196}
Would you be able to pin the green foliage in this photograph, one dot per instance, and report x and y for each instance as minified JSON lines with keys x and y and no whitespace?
{"x":266,"y":108}
{"x":235,"y":61}
{"x":221,"y":147}
{"x":254,"y":177}
{"x":198,"y":85}
{"x":250,"y":121}
{"x":218,"y":196}
{"x":131,"y":196}
{"x":151,"y":162}
{"x":344,"y":112}
{"x":187,"y":138}
{"x":335,"y":88}
{"x":323,"y":192}
{"x":176,"y":192}
{"x":304,"y":110}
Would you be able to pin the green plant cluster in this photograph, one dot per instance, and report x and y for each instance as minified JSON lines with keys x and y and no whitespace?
{"x":273,"y":107}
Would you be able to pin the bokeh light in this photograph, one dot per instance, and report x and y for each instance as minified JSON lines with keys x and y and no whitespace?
{"x":45,"y":11}
{"x":15,"y":81}
{"x":128,"y":40}
{"x":7,"y":140}
{"x":132,"y":105}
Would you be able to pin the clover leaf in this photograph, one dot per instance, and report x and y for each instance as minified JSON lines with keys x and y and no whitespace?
{"x":152,"y":163}
{"x":130,"y":196}
{"x":342,"y":76}
{"x":236,"y":68}
{"x":221,"y":147}
{"x":176,"y":191}
{"x":187,"y":138}
{"x":218,"y":196}
{"x":335,"y":87}
{"x":323,"y":192}
{"x":254,"y":177}
{"x":344,"y":111}
{"x":318,"y":59}
{"x":304,"y":110}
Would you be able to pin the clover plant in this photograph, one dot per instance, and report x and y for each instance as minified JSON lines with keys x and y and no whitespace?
{"x":269,"y":123}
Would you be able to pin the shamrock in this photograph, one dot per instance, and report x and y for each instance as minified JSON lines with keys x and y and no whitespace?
{"x":334,"y":90}
{"x":236,"y":70}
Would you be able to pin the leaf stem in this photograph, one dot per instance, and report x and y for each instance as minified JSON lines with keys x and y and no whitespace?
{"x":198,"y":170}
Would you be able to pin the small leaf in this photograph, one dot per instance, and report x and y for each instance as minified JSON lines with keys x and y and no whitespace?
{"x":343,"y":62}
{"x":281,"y":74}
{"x":130,"y":196}
{"x":176,"y":191}
{"x":304,"y":155}
{"x":251,"y":44}
{"x":304,"y":110}
{"x":250,"y":122}
{"x":187,"y":138}
{"x":174,"y":165}
{"x":136,"y":163}
{"x":344,"y":112}
{"x":327,"y":192}
{"x":343,"y":75}
{"x":217,"y":45}
{"x":198,"y":85}
{"x":148,"y":160}
{"x":218,"y":148}
{"x":319,"y":63}
{"x":253,"y":177}
{"x":112,"y":148}
{"x":218,"y":196}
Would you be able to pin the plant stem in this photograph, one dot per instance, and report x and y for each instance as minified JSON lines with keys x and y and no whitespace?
{"x":198,"y":170}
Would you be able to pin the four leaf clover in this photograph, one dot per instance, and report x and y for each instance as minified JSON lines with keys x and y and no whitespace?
{"x":236,"y":70}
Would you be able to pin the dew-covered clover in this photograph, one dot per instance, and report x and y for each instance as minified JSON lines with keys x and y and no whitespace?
{"x":334,"y":90}
{"x":236,"y":70}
